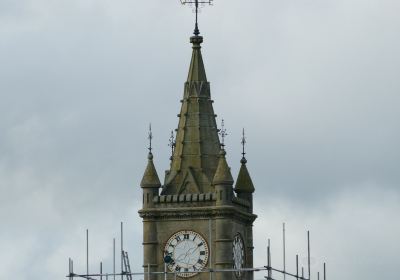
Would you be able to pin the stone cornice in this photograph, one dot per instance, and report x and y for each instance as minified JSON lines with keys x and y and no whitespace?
{"x":185,"y":213}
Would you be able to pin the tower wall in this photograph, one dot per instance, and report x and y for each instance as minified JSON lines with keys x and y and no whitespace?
{"x":150,"y":248}
{"x":223,"y":248}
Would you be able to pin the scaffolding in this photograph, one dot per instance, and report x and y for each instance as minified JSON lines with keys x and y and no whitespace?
{"x":127,"y":274}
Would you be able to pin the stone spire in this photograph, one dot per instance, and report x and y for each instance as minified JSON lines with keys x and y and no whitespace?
{"x":150,"y":178}
{"x":195,"y":156}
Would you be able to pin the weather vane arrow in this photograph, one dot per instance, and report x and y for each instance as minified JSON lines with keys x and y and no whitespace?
{"x":196,"y":10}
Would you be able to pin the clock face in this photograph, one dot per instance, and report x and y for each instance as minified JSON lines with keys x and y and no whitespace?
{"x":238,"y":254}
{"x":186,"y":252}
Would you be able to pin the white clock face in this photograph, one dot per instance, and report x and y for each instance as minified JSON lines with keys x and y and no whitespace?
{"x":188,"y":252}
{"x":238,"y":254}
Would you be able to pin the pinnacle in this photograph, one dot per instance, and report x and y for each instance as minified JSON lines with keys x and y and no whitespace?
{"x":223,"y":174}
{"x":244,"y":184}
{"x":150,"y":178}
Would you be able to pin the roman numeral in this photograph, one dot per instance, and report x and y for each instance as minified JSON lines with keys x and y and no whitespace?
{"x":178,"y":268}
{"x":178,"y":238}
{"x":202,"y":252}
{"x":186,"y":236}
{"x":201,"y":243}
{"x":200,"y":261}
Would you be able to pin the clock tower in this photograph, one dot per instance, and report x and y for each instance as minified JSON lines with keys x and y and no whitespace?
{"x":197,"y":220}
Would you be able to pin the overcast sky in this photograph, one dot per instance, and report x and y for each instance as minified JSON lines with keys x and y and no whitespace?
{"x":315,"y":83}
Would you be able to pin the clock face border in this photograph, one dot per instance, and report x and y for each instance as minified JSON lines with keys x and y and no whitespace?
{"x":204,"y":244}
{"x":238,"y":247}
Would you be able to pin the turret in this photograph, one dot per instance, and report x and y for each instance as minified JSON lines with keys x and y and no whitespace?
{"x":244,"y":187}
{"x":150,"y":183}
{"x":223,"y":184}
{"x":223,"y":181}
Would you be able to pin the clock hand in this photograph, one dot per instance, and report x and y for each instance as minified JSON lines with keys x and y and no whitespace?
{"x":184,"y":258}
{"x":179,"y":258}
{"x":192,"y":258}
{"x":194,"y":249}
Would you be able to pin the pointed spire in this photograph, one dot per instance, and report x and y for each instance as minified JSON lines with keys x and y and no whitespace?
{"x":223,"y":174}
{"x":197,"y":71}
{"x":197,"y":145}
{"x":244,"y":184}
{"x":150,"y":178}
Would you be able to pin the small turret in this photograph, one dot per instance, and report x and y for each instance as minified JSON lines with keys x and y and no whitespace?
{"x":150,"y":183}
{"x":223,"y":181}
{"x":150,"y":178}
{"x":244,"y":185}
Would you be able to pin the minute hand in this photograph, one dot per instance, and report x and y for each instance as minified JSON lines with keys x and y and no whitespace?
{"x":192,"y":250}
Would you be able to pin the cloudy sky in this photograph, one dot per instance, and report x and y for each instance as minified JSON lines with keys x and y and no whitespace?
{"x":315,"y":83}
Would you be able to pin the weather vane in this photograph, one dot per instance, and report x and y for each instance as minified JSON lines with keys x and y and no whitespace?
{"x":196,"y":10}
{"x":172,"y":144}
{"x":150,"y":137}
{"x":223,"y":133}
